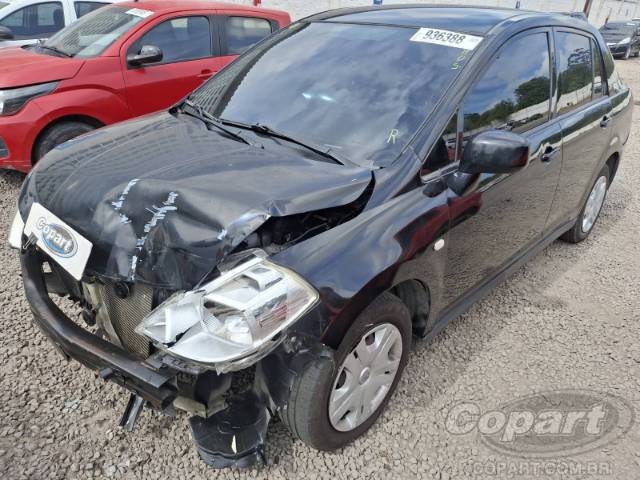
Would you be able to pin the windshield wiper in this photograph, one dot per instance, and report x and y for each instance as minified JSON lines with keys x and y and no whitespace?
{"x":200,"y":113}
{"x":265,"y":130}
{"x":55,"y":50}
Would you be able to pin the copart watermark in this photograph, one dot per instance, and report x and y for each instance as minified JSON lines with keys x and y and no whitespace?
{"x":546,"y":425}
{"x":536,"y":468}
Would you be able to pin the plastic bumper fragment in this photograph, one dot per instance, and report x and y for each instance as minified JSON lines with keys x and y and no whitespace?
{"x":235,"y":436}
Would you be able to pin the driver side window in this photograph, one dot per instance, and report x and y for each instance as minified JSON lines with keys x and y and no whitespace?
{"x":180,"y":39}
{"x":514,"y":93}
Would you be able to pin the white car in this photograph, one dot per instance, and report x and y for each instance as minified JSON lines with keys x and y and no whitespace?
{"x":23,"y":22}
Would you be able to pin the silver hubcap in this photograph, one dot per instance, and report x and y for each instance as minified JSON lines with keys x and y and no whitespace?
{"x":594,"y":204}
{"x":365,"y":377}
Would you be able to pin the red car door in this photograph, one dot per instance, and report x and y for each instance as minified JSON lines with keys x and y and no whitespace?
{"x":190,"y":48}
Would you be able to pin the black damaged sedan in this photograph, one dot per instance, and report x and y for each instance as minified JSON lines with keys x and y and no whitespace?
{"x":268,"y":246}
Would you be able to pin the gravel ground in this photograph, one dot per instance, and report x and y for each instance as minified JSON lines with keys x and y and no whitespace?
{"x":568,"y":319}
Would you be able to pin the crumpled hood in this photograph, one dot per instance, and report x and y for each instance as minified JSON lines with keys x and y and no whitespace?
{"x":19,"y":67}
{"x":163,"y":199}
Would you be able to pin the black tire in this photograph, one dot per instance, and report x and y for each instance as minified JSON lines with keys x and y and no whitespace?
{"x":307,"y":415}
{"x":576,"y":234}
{"x":58,"y":134}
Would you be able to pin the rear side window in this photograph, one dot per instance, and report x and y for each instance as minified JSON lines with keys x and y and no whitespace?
{"x":515,"y":92}
{"x":35,"y":21}
{"x":180,"y":39}
{"x":613,"y":80}
{"x":82,"y":8}
{"x":244,"y":32}
{"x":576,"y":71}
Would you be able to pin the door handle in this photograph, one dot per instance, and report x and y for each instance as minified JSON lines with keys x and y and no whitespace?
{"x":205,"y":74}
{"x":604,"y":123}
{"x":549,"y":153}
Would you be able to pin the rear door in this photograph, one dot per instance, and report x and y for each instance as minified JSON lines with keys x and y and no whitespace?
{"x":498,"y":217}
{"x":584,"y":112}
{"x":189,"y":43}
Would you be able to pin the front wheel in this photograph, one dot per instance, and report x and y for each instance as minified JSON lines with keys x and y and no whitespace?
{"x":58,"y":134}
{"x":330,"y":407}
{"x":627,"y":54}
{"x":591,"y":209}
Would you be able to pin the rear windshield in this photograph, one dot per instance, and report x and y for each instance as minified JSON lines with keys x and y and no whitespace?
{"x":95,"y":32}
{"x":361,"y":91}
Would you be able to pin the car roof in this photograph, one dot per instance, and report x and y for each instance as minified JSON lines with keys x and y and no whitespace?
{"x":470,"y":19}
{"x":165,"y":6}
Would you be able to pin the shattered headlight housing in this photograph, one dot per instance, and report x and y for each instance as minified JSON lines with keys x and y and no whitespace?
{"x":239,"y":314}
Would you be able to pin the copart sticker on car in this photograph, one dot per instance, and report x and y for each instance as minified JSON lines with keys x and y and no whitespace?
{"x":139,"y":12}
{"x":446,"y":38}
{"x":61,"y":242}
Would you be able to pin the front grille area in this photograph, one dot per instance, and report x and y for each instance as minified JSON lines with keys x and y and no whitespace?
{"x":4,"y":150}
{"x":126,"y":312}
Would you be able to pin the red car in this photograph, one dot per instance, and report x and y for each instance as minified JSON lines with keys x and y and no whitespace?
{"x":118,"y":62}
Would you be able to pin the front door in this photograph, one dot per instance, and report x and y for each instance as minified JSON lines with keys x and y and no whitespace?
{"x":189,"y":59}
{"x":499,"y":216}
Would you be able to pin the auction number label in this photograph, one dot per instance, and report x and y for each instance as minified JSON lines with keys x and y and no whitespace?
{"x":446,"y":38}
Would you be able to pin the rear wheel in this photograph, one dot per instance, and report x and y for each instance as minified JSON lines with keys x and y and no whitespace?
{"x":58,"y":134}
{"x":591,"y":209}
{"x":330,"y":407}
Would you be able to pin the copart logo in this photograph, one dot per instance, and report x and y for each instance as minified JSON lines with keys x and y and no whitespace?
{"x":546,"y":425}
{"x":57,"y":238}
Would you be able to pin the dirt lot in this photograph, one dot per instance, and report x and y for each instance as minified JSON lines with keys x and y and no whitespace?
{"x":567,"y":320}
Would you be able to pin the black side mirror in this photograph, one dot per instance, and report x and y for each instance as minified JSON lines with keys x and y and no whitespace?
{"x":6,"y":34}
{"x":148,"y":54}
{"x":495,"y":151}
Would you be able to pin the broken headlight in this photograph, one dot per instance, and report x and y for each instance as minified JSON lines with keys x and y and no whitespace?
{"x":238,"y":314}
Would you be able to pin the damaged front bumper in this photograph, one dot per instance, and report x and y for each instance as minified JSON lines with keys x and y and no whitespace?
{"x":234,"y":433}
{"x":112,"y":362}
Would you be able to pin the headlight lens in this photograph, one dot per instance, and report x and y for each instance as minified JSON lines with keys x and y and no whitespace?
{"x":15,"y":234}
{"x":625,"y":41}
{"x":234,"y":316}
{"x":13,"y":99}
